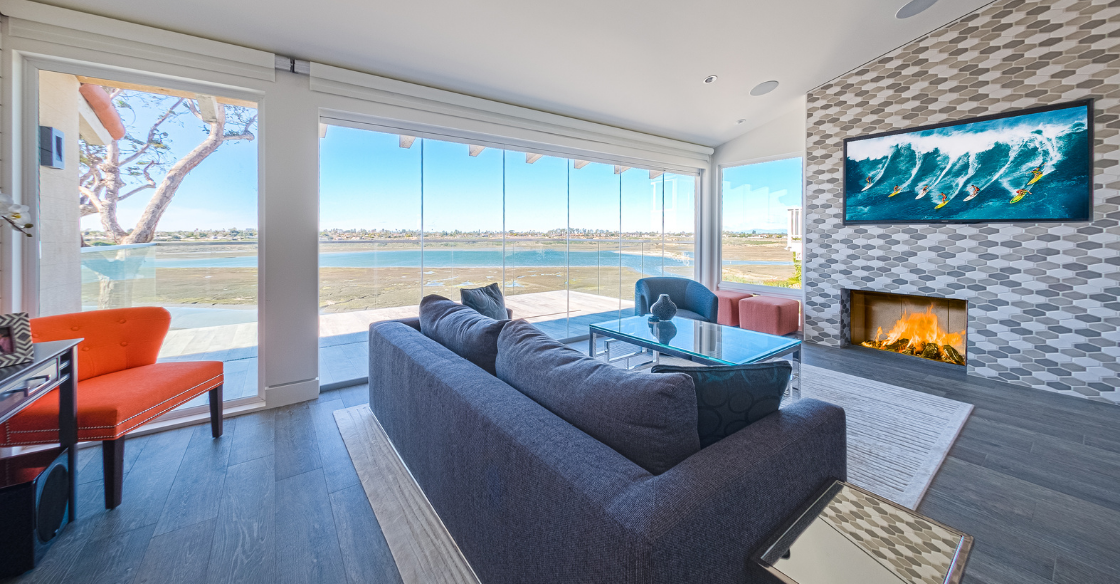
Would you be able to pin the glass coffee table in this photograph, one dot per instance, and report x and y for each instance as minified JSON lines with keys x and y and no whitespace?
{"x":699,"y":341}
{"x":847,"y":535}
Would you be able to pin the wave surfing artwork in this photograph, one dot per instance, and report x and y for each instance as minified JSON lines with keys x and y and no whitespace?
{"x":1025,"y":167}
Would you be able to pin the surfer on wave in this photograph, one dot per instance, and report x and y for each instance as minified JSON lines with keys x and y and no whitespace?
{"x":922,"y":192}
{"x":1019,"y":194}
{"x":944,"y":201}
{"x":1037,"y":174}
{"x":973,"y":190}
{"x":897,"y":189}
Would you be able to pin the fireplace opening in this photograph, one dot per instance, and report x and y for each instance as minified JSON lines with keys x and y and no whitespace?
{"x":921,"y":326}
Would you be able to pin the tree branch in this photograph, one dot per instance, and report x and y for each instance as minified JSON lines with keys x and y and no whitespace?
{"x":151,"y":134}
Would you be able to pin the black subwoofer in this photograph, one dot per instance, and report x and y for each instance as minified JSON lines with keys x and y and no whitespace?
{"x":34,"y":505}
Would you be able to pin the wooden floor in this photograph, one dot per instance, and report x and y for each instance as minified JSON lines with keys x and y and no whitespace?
{"x":1035,"y":477}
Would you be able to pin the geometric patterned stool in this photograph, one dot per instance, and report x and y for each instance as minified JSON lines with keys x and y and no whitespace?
{"x":770,"y":315}
{"x":728,"y":312}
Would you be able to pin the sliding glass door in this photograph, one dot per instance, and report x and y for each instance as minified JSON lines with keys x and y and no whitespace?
{"x":403,"y":217}
{"x":153,"y":203}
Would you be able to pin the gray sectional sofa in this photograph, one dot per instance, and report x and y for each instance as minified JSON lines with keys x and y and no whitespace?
{"x":529,"y":497}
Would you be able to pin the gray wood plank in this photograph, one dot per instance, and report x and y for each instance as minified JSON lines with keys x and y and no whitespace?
{"x":982,"y":568}
{"x":364,"y":551}
{"x":92,"y":470}
{"x":146,"y":487}
{"x":1070,"y":571}
{"x":113,"y":559}
{"x":307,"y":547}
{"x":198,"y":483}
{"x":355,"y":395}
{"x":297,"y":451}
{"x":337,"y":467}
{"x":243,"y":549}
{"x":178,"y":557}
{"x":254,"y":437}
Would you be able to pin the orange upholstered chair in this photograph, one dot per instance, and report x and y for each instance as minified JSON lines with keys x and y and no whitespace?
{"x":120,"y":385}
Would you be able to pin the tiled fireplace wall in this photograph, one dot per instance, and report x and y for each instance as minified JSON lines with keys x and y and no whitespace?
{"x":1044,"y":299}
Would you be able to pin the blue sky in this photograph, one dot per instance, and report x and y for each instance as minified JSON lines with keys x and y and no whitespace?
{"x":758,"y":196}
{"x":220,"y":193}
{"x":367,"y":181}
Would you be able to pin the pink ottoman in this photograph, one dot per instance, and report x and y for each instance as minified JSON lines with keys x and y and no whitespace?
{"x":728,"y":312}
{"x":770,"y":315}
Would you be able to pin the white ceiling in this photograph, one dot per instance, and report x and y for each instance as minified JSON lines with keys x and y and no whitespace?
{"x":628,"y":63}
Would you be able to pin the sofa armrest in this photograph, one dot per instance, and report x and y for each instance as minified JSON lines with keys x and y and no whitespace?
{"x":729,"y":497}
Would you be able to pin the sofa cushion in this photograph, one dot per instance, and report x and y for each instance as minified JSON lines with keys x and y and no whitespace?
{"x":462,"y":329}
{"x":650,"y":419}
{"x":730,"y":397}
{"x":487,"y":300}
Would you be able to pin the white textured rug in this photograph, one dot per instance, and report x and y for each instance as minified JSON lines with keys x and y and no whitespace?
{"x":897,"y":438}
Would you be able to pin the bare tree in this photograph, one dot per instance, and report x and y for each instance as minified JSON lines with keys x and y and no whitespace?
{"x":129,"y":166}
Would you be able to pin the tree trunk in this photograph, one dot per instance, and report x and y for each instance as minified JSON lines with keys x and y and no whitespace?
{"x":112,"y":170}
{"x":145,"y":229}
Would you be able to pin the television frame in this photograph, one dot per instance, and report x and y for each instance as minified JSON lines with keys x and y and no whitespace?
{"x":1088,"y":102}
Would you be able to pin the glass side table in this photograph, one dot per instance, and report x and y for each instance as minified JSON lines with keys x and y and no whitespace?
{"x":850,"y":536}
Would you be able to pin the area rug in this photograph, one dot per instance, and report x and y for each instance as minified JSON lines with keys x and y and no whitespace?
{"x":897,"y":437}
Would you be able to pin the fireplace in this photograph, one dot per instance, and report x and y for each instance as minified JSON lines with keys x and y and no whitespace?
{"x":929,"y":327}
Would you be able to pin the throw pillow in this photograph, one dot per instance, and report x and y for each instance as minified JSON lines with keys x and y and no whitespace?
{"x":462,"y":329}
{"x":728,"y":398}
{"x":488,"y":301}
{"x":650,"y":419}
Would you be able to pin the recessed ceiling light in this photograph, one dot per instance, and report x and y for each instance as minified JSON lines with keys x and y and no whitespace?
{"x":913,"y":8}
{"x":764,"y":88}
{"x":710,"y":79}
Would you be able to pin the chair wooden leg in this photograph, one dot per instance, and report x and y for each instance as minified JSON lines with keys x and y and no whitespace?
{"x":216,"y":411}
{"x":112,"y":456}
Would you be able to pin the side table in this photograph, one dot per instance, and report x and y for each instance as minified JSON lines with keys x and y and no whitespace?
{"x":54,"y":366}
{"x":847,"y":535}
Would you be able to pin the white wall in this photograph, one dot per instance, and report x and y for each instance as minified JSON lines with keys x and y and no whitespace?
{"x":778,"y":138}
{"x":60,"y":271}
{"x":781,"y":137}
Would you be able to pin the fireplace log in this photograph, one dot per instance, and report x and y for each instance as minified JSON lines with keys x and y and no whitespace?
{"x":898,"y":346}
{"x":872,"y":344}
{"x":953,"y":355}
{"x":930,"y":351}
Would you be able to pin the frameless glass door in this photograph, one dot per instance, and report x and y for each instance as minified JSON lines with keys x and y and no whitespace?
{"x":153,"y":203}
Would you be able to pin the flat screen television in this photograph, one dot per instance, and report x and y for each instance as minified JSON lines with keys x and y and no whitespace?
{"x":1026,"y":166}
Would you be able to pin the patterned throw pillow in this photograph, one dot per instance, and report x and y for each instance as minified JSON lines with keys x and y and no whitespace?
{"x":730,"y":397}
{"x":487,"y":300}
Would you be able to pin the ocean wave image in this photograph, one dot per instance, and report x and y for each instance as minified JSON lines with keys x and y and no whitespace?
{"x":1033,"y":167}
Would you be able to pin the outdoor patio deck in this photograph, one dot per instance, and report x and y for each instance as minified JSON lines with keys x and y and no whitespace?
{"x":343,"y":353}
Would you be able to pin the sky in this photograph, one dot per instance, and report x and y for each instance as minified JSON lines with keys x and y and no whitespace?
{"x":367,"y":181}
{"x":218,"y":194}
{"x":756,"y":197}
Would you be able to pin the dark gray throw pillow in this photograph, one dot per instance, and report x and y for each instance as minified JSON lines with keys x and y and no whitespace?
{"x":728,"y":398}
{"x":462,"y":329}
{"x":650,"y":419}
{"x":487,"y":300}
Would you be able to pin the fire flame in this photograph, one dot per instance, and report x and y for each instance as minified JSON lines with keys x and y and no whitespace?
{"x":921,"y":328}
{"x":920,"y":334}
